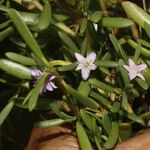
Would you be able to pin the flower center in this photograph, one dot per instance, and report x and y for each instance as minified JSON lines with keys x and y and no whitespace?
{"x":85,"y":64}
{"x":134,"y":70}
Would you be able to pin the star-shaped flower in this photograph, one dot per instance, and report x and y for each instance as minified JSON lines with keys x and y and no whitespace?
{"x":135,"y":70}
{"x":86,"y":64}
{"x":49,"y":85}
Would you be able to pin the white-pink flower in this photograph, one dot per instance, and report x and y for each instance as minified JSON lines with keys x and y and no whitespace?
{"x":36,"y":73}
{"x":135,"y":70}
{"x":86,"y":64}
{"x":49,"y":85}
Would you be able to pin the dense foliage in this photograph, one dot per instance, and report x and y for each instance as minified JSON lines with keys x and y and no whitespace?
{"x":85,"y":62}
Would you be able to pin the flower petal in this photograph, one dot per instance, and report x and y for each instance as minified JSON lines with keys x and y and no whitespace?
{"x":85,"y":73}
{"x":52,"y":78}
{"x":95,"y":26}
{"x":92,"y":67}
{"x":127,"y":67}
{"x":80,"y":66}
{"x":49,"y":87}
{"x":141,"y":76}
{"x":36,"y":73}
{"x":142,"y":67}
{"x":131,"y":63}
{"x":91,"y":58}
{"x":132,"y":75}
{"x":53,"y":85}
{"x":79,"y":57}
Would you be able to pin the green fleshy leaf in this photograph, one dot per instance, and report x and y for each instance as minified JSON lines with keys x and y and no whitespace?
{"x":139,"y":15}
{"x":32,"y":100}
{"x":98,"y":84}
{"x":5,"y":112}
{"x":135,"y":118}
{"x":5,"y":33}
{"x":68,"y":41}
{"x":45,"y":17}
{"x":86,"y":118}
{"x":100,"y":99}
{"x":106,"y":121}
{"x":144,"y":51}
{"x":113,"y":136}
{"x":118,"y":47}
{"x":84,"y":100}
{"x":50,"y":123}
{"x":26,"y":34}
{"x":84,"y":88}
{"x":15,"y":69}
{"x":116,"y":22}
{"x":82,"y":137}
{"x":20,"y":59}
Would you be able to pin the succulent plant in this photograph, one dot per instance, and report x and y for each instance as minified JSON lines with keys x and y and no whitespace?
{"x":44,"y":46}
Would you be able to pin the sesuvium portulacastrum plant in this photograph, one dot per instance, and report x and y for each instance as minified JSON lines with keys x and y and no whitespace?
{"x":66,"y":57}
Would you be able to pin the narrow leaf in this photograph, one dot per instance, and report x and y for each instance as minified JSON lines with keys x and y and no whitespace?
{"x":82,"y":137}
{"x":68,"y":41}
{"x":101,"y":85}
{"x":118,"y":47}
{"x":100,"y":99}
{"x":50,"y":123}
{"x":4,"y":113}
{"x":84,"y":100}
{"x":5,"y":24}
{"x":144,"y":43}
{"x":15,"y":69}
{"x":45,"y":17}
{"x":106,"y":63}
{"x":147,"y":28}
{"x":125,"y":103}
{"x":95,"y":16}
{"x":83,"y":25}
{"x":84,"y":88}
{"x":86,"y":118}
{"x":106,"y":121}
{"x":113,"y":136}
{"x":29,"y":18}
{"x":137,"y":53}
{"x":26,"y":34}
{"x":135,"y":118}
{"x":20,"y":59}
{"x":139,"y":15}
{"x":65,"y":29}
{"x":115,"y":107}
{"x":124,"y":73}
{"x":5,"y":33}
{"x":142,"y":83}
{"x":116,"y":22}
{"x":68,"y":67}
{"x":144,"y":51}
{"x":35,"y":92}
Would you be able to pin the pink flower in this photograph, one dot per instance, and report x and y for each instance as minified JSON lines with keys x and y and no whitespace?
{"x":134,"y":70}
{"x":49,"y":85}
{"x":86,"y":64}
{"x":36,"y":73}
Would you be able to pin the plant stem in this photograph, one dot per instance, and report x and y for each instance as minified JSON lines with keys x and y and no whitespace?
{"x":37,"y":5}
{"x":144,"y":5}
{"x":65,"y":6}
{"x":103,"y":7}
{"x":134,"y":30}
